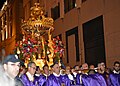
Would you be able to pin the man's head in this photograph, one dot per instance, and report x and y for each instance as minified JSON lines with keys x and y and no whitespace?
{"x":84,"y":66}
{"x":31,"y":68}
{"x":102,"y":66}
{"x":56,"y":68}
{"x":22,"y":69}
{"x":46,"y":69}
{"x":116,"y":66}
{"x":76,"y":67}
{"x":11,"y":65}
{"x":68,"y":70}
{"x":91,"y":67}
{"x":99,"y":64}
{"x":38,"y":71}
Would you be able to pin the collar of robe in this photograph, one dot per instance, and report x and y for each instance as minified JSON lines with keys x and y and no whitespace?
{"x":116,"y":72}
{"x":57,"y":75}
{"x":30,"y":77}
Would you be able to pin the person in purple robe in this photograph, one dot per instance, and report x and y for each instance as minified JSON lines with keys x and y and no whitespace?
{"x":116,"y":67}
{"x":114,"y":79}
{"x":28,"y":78}
{"x":70,"y":75}
{"x":79,"y":79}
{"x":43,"y":77}
{"x":55,"y":79}
{"x":38,"y":71}
{"x":91,"y":80}
{"x":102,"y":70}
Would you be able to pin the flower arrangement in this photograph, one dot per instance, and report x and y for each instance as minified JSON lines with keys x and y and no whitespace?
{"x":58,"y":47}
{"x":27,"y":48}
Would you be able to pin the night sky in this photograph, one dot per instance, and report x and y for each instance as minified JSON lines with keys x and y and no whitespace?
{"x":1,"y":3}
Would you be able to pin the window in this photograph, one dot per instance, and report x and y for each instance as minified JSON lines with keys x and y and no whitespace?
{"x":4,"y":20}
{"x":10,"y":23}
{"x":55,"y":12}
{"x":10,"y":29}
{"x":10,"y":14}
{"x":73,"y":36}
{"x":93,"y":36}
{"x":4,"y":34}
{"x":69,"y":4}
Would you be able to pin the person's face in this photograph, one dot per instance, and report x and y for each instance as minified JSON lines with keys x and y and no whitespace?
{"x":77,"y":68}
{"x":46,"y":70}
{"x":12,"y":69}
{"x":102,"y":67}
{"x":92,"y":67}
{"x":32,"y":69}
{"x":72,"y":70}
{"x":99,"y":65}
{"x":117,"y":67}
{"x":56,"y":68}
{"x":85,"y":66}
{"x":67,"y":70}
{"x":38,"y":71}
{"x":23,"y":71}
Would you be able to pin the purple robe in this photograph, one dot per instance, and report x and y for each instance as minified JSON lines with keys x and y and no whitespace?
{"x":57,"y":81}
{"x":73,"y":82}
{"x":41,"y":80}
{"x":93,"y":80}
{"x":66,"y":80}
{"x":114,"y":80}
{"x":27,"y":82}
{"x":78,"y":79}
{"x":105,"y":77}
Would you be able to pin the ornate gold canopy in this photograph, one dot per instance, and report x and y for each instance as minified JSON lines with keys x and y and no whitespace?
{"x":37,"y":24}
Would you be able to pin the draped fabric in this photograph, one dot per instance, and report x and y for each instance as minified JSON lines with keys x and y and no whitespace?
{"x":54,"y":81}
{"x":114,"y":80}
{"x":41,"y":80}
{"x":79,"y":79}
{"x":74,"y":74}
{"x":66,"y":80}
{"x":27,"y":82}
{"x":57,"y":80}
{"x":91,"y":80}
{"x":72,"y":80}
{"x":105,"y":74}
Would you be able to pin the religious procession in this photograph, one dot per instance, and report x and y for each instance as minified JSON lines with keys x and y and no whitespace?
{"x":14,"y":73}
{"x":59,"y":43}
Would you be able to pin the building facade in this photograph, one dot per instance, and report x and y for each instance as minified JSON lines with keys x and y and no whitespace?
{"x":10,"y":21}
{"x":89,"y":29}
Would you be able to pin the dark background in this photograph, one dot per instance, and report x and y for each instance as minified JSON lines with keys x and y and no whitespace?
{"x":1,"y":3}
{"x":93,"y":34}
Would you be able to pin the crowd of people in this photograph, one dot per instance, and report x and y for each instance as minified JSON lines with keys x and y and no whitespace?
{"x":13,"y":73}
